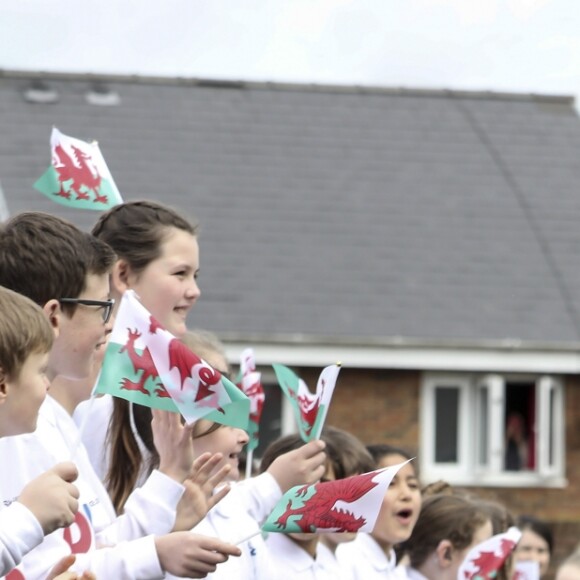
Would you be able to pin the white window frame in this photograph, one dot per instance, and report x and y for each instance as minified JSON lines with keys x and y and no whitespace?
{"x":470,"y":469}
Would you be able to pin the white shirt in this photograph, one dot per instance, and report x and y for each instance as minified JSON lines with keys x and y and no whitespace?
{"x":364,"y":559}
{"x":149,"y":510}
{"x":291,"y":562}
{"x":408,"y":573}
{"x":20,"y":532}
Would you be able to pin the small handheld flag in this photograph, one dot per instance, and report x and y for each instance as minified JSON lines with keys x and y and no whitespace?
{"x":78,"y":175}
{"x":146,"y":364}
{"x":485,"y":560}
{"x":344,"y":505}
{"x":310,"y":410}
{"x":249,"y":381}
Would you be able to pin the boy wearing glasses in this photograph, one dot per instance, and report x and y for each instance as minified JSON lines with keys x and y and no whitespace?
{"x":66,"y":272}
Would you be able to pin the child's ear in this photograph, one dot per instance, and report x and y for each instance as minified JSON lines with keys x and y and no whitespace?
{"x":3,"y":386}
{"x":444,"y":553}
{"x":122,"y":277}
{"x":53,"y":312}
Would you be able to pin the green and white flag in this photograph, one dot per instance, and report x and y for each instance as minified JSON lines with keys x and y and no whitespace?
{"x":309,"y":409}
{"x":78,"y":175}
{"x":146,"y":364}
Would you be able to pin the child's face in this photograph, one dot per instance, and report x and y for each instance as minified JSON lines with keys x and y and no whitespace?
{"x":80,"y":336}
{"x":24,"y":395}
{"x":167,"y":287}
{"x":401,"y":504}
{"x":226,"y":440}
{"x":533,"y":547}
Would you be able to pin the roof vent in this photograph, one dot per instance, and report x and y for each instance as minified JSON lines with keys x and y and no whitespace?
{"x":40,"y":92}
{"x":102,"y":95}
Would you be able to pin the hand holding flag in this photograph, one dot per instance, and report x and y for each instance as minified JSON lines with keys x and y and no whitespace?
{"x":310,"y":410}
{"x":344,"y":505}
{"x":78,"y":176}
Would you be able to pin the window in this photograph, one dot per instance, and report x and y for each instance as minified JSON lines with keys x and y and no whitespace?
{"x":492,"y":429}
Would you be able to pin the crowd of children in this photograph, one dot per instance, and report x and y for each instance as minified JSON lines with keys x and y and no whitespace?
{"x":98,"y":487}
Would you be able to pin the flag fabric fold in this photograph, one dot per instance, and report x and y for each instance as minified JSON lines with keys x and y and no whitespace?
{"x":309,"y":409}
{"x":78,"y":175}
{"x":146,"y":364}
{"x":484,"y":560}
{"x":344,"y":505}
{"x":249,"y":381}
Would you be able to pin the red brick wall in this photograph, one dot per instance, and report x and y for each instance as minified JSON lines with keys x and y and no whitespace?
{"x":382,"y":406}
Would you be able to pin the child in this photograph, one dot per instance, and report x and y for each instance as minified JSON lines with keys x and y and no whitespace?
{"x":50,"y":501}
{"x":158,"y":258}
{"x":371,"y":555}
{"x":447,"y":528}
{"x":536,"y":542}
{"x":71,"y":283}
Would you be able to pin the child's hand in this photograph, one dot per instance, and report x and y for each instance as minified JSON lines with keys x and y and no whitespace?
{"x":52,"y":498}
{"x":192,"y":556}
{"x":198,"y":499}
{"x":174,"y":444}
{"x":60,"y":571}
{"x":301,"y":466}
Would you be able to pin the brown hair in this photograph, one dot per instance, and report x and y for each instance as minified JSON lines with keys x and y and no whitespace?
{"x":45,"y":257}
{"x":137,"y":229}
{"x":347,"y":455}
{"x":443,"y":517}
{"x":24,"y":330}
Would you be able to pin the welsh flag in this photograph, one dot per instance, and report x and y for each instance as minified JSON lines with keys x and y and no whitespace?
{"x":309,"y":409}
{"x":146,"y":364}
{"x":249,"y":381}
{"x":344,"y":505}
{"x":78,"y":175}
{"x":485,"y":560}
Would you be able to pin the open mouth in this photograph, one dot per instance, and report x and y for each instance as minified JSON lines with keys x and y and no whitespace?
{"x":404,"y":516}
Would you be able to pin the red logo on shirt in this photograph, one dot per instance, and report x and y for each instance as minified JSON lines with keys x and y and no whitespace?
{"x":79,"y":535}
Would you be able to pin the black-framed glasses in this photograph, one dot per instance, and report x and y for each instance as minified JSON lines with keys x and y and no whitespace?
{"x":106,"y":305}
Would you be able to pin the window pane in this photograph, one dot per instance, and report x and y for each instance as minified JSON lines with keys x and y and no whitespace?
{"x":270,"y":421}
{"x":446,"y":424}
{"x":520,"y":424}
{"x":482,"y":457}
{"x":552,"y":434}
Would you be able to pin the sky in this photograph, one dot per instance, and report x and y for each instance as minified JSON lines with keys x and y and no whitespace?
{"x":530,"y":46}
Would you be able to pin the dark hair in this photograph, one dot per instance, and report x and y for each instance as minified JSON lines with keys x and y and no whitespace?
{"x":443,"y":517}
{"x":45,"y":257}
{"x":24,"y":330}
{"x":347,"y":455}
{"x":501,"y":518}
{"x":279,"y":447}
{"x":137,"y":229}
{"x":527,"y":522}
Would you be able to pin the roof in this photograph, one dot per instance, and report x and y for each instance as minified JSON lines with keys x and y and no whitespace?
{"x":338,"y":214}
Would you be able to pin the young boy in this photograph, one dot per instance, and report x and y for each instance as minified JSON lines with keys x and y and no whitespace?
{"x":50,"y":501}
{"x":66,"y":272}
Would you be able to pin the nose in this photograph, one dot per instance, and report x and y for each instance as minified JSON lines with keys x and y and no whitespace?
{"x":243,"y":437}
{"x":193,"y":292}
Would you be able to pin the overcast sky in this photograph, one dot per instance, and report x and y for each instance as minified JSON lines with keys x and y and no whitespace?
{"x":513,"y":45}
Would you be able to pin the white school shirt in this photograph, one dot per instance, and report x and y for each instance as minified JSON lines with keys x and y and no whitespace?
{"x":408,"y":573}
{"x":364,"y":559}
{"x":237,"y":516}
{"x":20,"y":532}
{"x":291,"y":562}
{"x":149,"y":510}
{"x":326,"y":559}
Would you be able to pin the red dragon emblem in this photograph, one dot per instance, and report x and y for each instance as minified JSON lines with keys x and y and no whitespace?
{"x":488,"y":562}
{"x":78,"y":169}
{"x":319,"y":511}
